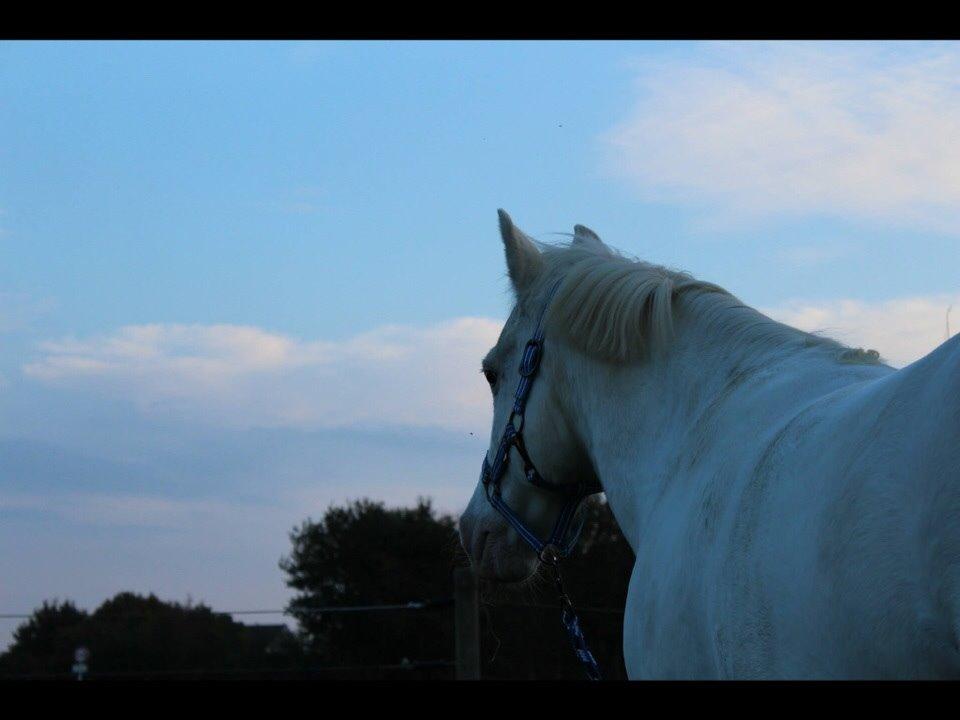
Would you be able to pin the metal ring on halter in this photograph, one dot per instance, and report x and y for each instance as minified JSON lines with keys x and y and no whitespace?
{"x":550,"y":554}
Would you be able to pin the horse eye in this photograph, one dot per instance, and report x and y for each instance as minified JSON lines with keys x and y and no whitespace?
{"x":491,"y":376}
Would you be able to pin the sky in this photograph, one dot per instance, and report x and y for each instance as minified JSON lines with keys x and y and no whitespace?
{"x":241,"y":281}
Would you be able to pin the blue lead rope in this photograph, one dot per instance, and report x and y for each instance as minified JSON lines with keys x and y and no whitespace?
{"x":571,"y":623}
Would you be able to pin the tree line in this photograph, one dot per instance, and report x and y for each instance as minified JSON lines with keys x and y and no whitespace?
{"x":361,"y":553}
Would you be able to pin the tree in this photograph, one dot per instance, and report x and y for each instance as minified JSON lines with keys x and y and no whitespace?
{"x":132,"y":634}
{"x":367,"y":554}
{"x":45,"y":643}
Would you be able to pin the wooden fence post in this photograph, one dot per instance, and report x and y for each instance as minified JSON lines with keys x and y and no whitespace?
{"x":466,"y":605}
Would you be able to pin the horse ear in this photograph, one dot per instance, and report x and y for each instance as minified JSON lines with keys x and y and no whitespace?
{"x":524,"y":260}
{"x":582,"y":235}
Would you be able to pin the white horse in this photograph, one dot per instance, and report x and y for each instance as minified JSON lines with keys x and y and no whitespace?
{"x":794,"y":504}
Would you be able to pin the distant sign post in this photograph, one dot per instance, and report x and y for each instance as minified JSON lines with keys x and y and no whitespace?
{"x":80,"y":657}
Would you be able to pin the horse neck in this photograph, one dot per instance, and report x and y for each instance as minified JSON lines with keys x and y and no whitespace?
{"x":638,"y":419}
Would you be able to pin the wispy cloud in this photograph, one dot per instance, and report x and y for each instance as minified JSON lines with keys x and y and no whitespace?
{"x":240,"y":376}
{"x":128,"y":510}
{"x":861,"y":131}
{"x":901,"y":330}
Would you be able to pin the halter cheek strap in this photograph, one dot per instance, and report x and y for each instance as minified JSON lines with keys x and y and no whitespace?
{"x":491,"y":475}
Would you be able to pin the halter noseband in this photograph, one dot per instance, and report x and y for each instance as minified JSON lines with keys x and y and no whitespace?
{"x":491,"y":475}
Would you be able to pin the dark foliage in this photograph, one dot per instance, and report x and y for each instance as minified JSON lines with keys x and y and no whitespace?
{"x":45,"y":643}
{"x":366,"y":554}
{"x":132,"y":634}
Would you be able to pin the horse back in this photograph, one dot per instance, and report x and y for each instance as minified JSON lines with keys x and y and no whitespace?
{"x":810,"y":528}
{"x":851,"y":515}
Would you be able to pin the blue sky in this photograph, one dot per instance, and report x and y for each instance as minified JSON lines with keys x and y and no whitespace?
{"x":240,"y":281}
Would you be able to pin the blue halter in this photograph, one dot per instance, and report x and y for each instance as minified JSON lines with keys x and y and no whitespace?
{"x":491,"y":475}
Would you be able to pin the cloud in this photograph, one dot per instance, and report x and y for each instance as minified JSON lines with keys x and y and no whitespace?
{"x":901,"y":330}
{"x":241,"y":376}
{"x":128,"y":510}
{"x":863,"y":131}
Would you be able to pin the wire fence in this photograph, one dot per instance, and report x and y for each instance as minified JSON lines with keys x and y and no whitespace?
{"x":406,"y":667}
{"x":322,"y":610}
{"x":465,"y":664}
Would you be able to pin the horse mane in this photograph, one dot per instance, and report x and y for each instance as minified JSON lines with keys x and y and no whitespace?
{"x":621,"y":309}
